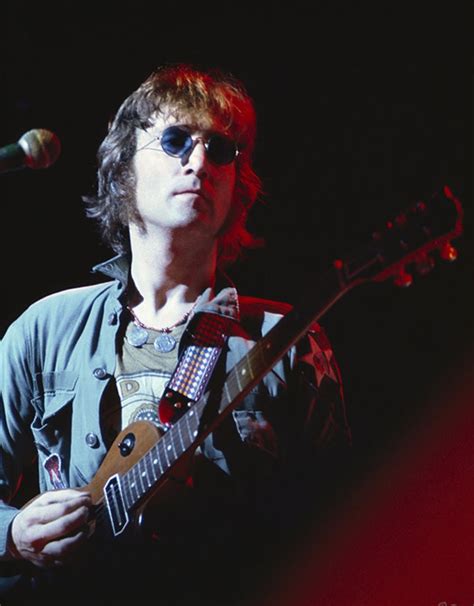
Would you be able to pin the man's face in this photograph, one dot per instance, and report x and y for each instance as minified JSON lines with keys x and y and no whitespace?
{"x":173,"y":192}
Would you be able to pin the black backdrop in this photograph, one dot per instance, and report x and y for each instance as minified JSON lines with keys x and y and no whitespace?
{"x":361,"y":113}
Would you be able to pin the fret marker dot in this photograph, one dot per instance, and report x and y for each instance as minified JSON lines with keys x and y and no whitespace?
{"x":155,"y":462}
{"x":143,"y":474}
{"x":195,"y":433}
{"x":168,"y":447}
{"x":244,"y":371}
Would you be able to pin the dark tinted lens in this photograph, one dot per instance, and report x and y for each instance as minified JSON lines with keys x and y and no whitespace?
{"x":221,"y":150}
{"x":176,"y":141}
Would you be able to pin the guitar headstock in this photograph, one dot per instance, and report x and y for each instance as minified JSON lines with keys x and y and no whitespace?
{"x":408,"y":240}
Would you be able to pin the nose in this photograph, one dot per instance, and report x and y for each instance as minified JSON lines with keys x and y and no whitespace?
{"x":195,"y":160}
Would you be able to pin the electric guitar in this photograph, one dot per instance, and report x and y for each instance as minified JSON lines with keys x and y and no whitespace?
{"x":141,"y":459}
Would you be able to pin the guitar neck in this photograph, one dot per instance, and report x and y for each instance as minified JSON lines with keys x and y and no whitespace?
{"x":252,"y":367}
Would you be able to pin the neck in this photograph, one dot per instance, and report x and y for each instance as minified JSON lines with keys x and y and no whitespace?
{"x":167,"y":276}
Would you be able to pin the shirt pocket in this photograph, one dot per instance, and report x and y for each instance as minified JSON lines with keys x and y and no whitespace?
{"x":53,"y":427}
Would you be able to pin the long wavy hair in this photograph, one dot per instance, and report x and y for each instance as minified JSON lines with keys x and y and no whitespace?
{"x":189,"y":93}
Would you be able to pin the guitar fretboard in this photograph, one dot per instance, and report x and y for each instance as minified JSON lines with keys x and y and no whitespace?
{"x":150,"y":469}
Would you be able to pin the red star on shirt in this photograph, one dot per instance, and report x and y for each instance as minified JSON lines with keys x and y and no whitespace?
{"x":321,"y":362}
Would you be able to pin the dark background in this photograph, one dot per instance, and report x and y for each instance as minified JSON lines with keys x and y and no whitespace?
{"x":361,"y":113}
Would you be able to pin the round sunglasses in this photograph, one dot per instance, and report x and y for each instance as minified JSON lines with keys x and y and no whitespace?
{"x":177,"y":141}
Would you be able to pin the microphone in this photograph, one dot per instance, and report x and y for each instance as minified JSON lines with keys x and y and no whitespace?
{"x":38,"y":148}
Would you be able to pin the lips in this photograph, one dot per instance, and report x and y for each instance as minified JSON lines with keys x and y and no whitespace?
{"x":197,"y":192}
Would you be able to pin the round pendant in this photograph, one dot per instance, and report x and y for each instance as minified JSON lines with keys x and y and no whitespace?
{"x":137,"y":336}
{"x":164,"y":343}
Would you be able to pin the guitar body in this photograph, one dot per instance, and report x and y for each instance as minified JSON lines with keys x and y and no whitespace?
{"x":123,"y":460}
{"x":130,"y":447}
{"x":123,"y":455}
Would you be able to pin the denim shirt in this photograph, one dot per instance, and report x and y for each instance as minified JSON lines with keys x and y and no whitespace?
{"x":58,"y":358}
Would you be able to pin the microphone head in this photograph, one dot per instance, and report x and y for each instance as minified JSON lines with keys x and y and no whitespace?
{"x":41,"y":147}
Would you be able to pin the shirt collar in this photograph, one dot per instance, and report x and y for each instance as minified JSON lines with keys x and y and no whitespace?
{"x":224,"y":301}
{"x":117,"y":268}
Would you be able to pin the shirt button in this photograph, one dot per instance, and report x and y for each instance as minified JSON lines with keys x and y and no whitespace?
{"x":99,"y":373}
{"x":92,"y":440}
{"x":112,"y":319}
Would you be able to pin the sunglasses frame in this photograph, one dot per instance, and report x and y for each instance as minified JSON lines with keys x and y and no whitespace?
{"x":187,"y":150}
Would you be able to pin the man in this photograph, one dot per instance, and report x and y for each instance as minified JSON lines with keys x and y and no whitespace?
{"x":175,"y":185}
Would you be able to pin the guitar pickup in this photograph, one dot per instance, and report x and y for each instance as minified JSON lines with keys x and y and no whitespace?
{"x":118,"y":514}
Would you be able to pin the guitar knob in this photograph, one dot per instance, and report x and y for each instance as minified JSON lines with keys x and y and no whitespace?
{"x":403,"y":279}
{"x":127,"y":444}
{"x":448,"y":252}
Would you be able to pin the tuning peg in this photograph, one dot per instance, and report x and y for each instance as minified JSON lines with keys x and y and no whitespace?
{"x":448,"y":252}
{"x":403,"y":279}
{"x":424,"y":264}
